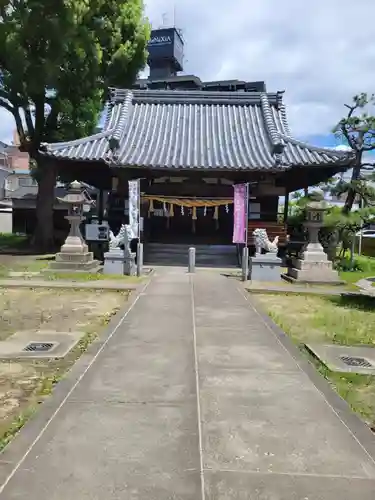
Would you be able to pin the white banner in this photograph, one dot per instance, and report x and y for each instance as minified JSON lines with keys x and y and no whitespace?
{"x":134,"y":199}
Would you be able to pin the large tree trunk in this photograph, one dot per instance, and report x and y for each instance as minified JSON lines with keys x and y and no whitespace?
{"x":43,"y":239}
{"x":349,"y":202}
{"x":350,"y":197}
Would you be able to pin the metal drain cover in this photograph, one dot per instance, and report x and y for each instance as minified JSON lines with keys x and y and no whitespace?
{"x":356,"y":361}
{"x":39,"y":347}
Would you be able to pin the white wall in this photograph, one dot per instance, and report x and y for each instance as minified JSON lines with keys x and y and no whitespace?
{"x":6,"y":220}
{"x":3,"y":175}
{"x":16,"y":180}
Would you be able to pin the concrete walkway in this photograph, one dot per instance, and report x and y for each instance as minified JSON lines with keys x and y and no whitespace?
{"x":194,"y":397}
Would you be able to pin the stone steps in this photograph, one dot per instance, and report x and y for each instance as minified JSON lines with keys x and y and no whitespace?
{"x":206,"y":255}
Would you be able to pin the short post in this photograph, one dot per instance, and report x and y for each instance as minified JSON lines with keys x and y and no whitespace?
{"x":245,"y":264}
{"x":139,"y":259}
{"x":359,"y":241}
{"x":191,"y":260}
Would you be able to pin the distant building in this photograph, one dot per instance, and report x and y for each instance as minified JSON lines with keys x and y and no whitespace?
{"x":18,"y":167}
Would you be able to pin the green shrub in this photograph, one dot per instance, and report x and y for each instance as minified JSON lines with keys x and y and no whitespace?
{"x":360,"y":263}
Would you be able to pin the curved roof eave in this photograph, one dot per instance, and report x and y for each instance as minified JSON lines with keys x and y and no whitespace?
{"x":56,"y":146}
{"x":335,"y":153}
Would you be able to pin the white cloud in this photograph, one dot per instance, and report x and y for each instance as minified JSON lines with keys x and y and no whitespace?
{"x":320,"y":52}
{"x":6,"y":126}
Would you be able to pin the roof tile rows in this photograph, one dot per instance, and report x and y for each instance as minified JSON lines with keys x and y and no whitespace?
{"x":198,"y":130}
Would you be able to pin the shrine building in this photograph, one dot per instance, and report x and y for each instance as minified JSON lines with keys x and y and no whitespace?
{"x":189,"y":142}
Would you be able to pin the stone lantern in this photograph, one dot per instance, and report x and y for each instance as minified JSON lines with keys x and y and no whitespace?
{"x":313,"y":265}
{"x":313,"y":223}
{"x":74,"y":255}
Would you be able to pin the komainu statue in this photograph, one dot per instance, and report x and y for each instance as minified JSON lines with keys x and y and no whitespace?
{"x":118,"y":240}
{"x":262,"y":242}
{"x":123,"y":238}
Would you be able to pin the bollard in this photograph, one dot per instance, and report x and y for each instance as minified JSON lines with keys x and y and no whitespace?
{"x":139,"y":259}
{"x":191,"y":260}
{"x":245,"y":264}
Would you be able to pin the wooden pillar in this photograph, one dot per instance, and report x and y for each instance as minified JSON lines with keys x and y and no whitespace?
{"x":286,"y":206}
{"x":105,"y":204}
{"x":100,"y":206}
{"x":114,"y":184}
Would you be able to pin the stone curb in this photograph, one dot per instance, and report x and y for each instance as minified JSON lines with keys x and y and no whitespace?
{"x":366,"y":285}
{"x":339,"y":406}
{"x":277,"y":290}
{"x":71,"y":285}
{"x":13,"y":455}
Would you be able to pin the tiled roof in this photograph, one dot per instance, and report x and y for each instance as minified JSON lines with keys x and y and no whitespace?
{"x":30,"y":192}
{"x":198,"y":130}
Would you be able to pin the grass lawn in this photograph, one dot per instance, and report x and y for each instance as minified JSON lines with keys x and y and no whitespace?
{"x":25,"y":383}
{"x":352,"y":277}
{"x":335,"y":320}
{"x":87,"y":277}
{"x":9,"y":240}
{"x":365,"y":269}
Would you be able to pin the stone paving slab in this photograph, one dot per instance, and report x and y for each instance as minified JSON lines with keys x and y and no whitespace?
{"x":145,"y":372}
{"x":233,"y":353}
{"x":113,"y":451}
{"x":266,"y":417}
{"x":194,"y":397}
{"x":266,"y":433}
{"x":238,"y":486}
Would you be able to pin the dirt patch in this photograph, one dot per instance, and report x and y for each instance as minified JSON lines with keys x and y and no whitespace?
{"x":25,"y":383}
{"x":22,"y":264}
{"x":51,"y":309}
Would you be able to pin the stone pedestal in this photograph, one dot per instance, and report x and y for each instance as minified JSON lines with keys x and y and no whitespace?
{"x":313,"y":267}
{"x":265,"y":267}
{"x":116,"y":261}
{"x":130,"y":267}
{"x":74,"y":255}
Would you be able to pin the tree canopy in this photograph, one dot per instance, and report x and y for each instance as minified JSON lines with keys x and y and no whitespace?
{"x":357,"y":129}
{"x":57,"y":60}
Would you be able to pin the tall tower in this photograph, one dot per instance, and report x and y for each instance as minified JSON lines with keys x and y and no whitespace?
{"x":165,"y":53}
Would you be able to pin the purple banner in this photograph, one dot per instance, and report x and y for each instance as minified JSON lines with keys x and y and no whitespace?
{"x":239,"y":213}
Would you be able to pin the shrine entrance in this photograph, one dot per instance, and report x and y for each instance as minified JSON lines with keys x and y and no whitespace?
{"x":206,"y":221}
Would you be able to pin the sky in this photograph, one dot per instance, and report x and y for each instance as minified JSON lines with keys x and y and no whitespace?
{"x":321,"y":53}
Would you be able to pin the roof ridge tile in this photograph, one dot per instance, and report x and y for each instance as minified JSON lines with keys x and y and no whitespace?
{"x":276,"y":140}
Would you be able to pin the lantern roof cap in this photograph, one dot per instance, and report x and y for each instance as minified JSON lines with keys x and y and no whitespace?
{"x":75,"y":195}
{"x":75,"y":185}
{"x":317,"y":204}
